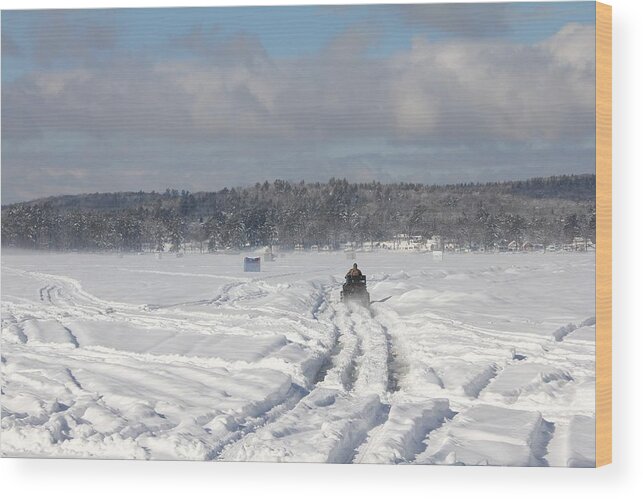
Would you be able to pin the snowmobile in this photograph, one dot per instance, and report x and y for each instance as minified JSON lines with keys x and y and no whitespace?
{"x":354,"y":290}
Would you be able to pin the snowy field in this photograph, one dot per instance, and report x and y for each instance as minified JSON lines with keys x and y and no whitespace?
{"x":478,"y":359}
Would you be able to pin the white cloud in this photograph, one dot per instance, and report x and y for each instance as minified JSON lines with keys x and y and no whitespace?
{"x":497,"y":90}
{"x":483,"y":97}
{"x":574,"y":45}
{"x":455,"y":91}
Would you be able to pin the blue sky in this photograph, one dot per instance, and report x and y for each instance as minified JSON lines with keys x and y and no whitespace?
{"x":283,"y":31}
{"x":200,"y":98}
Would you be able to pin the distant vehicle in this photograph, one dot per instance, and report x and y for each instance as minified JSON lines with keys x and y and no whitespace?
{"x":354,"y":290}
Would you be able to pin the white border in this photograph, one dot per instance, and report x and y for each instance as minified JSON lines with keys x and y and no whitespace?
{"x":49,"y":479}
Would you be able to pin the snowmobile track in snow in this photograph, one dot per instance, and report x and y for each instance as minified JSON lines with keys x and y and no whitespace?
{"x":400,"y":382}
{"x":357,"y":364}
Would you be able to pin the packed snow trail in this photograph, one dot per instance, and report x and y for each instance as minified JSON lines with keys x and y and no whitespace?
{"x":334,"y":418}
{"x":191,"y":359}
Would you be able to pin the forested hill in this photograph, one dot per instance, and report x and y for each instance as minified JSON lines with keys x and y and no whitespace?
{"x":546,"y":210}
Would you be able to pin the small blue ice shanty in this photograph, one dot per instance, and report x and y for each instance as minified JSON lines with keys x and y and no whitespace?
{"x":252,"y":264}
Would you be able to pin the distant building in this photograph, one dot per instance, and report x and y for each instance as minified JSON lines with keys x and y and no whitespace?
{"x":580,"y":244}
{"x":451,"y":245}
{"x":434,"y":243}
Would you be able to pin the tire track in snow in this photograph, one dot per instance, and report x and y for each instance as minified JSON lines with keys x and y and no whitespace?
{"x":67,"y":293}
{"x":388,"y":355}
{"x":474,"y":388}
{"x":443,"y":344}
{"x":227,"y":449}
{"x":224,"y":295}
{"x":358,"y":365}
{"x":346,"y":397}
{"x":66,"y":298}
{"x":343,"y":373}
{"x":249,"y":425}
{"x":411,"y":419}
{"x":373,"y":363}
{"x":413,"y":433}
{"x":70,"y":302}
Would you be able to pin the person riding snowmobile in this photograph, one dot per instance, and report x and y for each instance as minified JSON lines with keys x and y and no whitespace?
{"x":353,"y":272}
{"x":354,"y":288}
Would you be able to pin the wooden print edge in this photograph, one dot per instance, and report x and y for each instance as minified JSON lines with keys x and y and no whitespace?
{"x":603,"y":234}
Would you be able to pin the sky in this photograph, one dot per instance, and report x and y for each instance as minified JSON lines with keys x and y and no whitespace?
{"x":107,"y":100}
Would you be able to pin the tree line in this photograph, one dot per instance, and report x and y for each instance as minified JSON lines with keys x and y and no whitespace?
{"x":552,"y":210}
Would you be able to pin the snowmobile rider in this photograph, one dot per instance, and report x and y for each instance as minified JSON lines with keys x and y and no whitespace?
{"x":353,"y":272}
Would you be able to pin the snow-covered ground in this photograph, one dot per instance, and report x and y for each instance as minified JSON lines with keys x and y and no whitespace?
{"x":478,"y":359}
